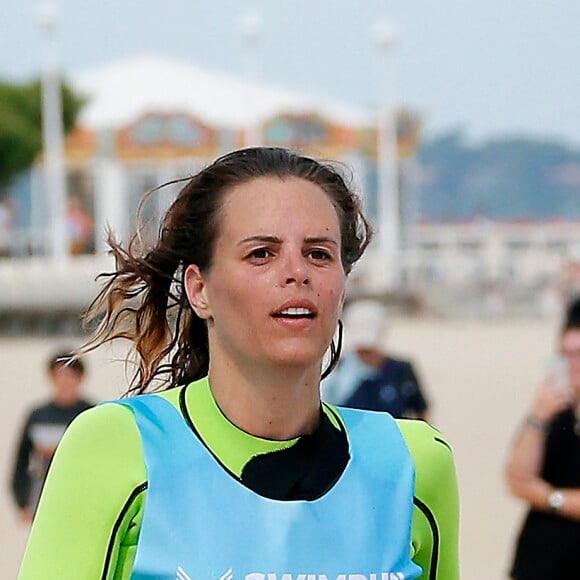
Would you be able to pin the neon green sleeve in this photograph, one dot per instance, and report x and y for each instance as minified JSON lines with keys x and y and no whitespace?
{"x":435,"y":531}
{"x":89,"y":518}
{"x":88,"y":521}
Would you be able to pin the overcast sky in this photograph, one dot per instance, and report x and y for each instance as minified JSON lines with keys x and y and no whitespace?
{"x":493,"y":67}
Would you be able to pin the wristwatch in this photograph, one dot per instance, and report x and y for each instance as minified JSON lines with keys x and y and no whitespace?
{"x":556,"y":501}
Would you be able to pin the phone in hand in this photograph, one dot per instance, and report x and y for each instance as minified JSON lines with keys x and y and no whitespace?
{"x":558,"y":373}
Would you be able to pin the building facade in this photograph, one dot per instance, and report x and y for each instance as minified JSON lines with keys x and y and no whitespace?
{"x":149,"y":121}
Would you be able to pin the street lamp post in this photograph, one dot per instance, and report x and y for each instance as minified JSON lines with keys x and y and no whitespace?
{"x":54,"y":165}
{"x":387,"y":174}
{"x":250,"y":29}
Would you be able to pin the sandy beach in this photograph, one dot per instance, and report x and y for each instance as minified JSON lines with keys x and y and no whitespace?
{"x":479,"y":375}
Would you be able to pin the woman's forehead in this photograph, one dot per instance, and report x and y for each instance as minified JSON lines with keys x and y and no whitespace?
{"x":273,"y":200}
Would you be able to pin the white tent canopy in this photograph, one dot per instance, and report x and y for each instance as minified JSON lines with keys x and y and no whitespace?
{"x":121,"y":92}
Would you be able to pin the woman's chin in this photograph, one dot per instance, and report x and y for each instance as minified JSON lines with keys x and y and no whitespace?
{"x":297,"y":360}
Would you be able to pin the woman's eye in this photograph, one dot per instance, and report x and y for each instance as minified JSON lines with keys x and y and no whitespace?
{"x":260,"y":253}
{"x":319,"y":254}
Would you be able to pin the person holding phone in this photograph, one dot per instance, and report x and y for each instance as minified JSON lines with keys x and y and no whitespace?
{"x":544,"y":468}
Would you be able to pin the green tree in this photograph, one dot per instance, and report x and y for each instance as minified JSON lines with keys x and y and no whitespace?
{"x":21,"y":124}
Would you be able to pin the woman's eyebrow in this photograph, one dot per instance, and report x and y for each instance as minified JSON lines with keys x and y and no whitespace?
{"x":264,"y":239}
{"x":277,"y":240}
{"x":321,"y":240}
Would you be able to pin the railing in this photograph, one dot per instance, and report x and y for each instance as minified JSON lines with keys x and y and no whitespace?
{"x":40,"y":296}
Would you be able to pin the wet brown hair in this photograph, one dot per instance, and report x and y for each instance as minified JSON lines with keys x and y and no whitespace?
{"x":143,"y":299}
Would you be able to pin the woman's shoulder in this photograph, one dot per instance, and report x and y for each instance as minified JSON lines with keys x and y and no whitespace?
{"x":112,"y":419}
{"x":420,"y":433}
{"x":103,"y":445}
{"x":109,"y":419}
{"x":431,"y":452}
{"x":106,"y":436}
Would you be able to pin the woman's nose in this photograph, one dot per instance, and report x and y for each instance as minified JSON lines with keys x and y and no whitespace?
{"x":295,"y":271}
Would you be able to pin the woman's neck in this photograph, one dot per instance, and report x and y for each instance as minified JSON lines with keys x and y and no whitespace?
{"x":278,"y":404}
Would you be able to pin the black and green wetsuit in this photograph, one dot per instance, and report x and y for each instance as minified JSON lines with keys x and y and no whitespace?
{"x":90,"y":515}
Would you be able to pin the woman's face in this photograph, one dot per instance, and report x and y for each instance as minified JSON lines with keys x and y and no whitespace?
{"x":570,"y":349}
{"x":275,"y":290}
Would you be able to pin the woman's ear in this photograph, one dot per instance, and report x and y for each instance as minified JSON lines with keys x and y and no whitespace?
{"x":196,"y":291}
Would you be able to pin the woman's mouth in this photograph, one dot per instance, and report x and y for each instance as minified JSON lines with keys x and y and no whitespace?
{"x":295,"y":312}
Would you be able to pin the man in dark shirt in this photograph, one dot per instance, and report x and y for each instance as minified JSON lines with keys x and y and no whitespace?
{"x":393,"y":387}
{"x":380,"y":383}
{"x":43,"y":429}
{"x":368,"y":377}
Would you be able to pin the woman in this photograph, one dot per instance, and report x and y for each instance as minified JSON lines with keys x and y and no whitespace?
{"x":544,"y":470}
{"x":238,"y":471}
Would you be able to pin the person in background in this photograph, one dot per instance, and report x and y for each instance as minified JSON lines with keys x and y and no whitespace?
{"x":224,"y":463}
{"x":44,"y":428}
{"x":544,"y":468}
{"x":369,"y":377}
{"x":81,"y":226}
{"x":7,"y":229}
